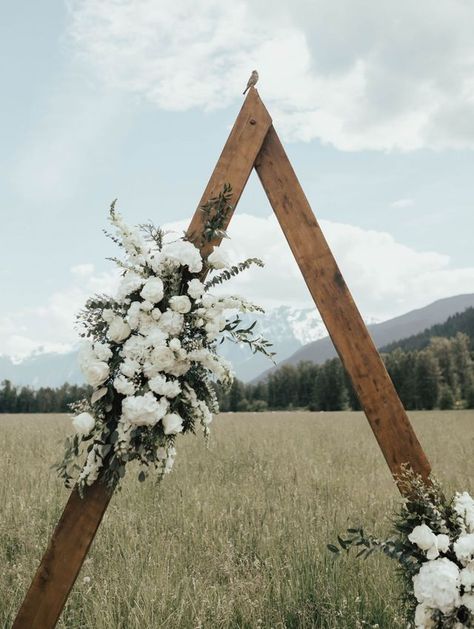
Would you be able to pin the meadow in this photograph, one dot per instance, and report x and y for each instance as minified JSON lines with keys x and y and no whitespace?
{"x":236,"y":536}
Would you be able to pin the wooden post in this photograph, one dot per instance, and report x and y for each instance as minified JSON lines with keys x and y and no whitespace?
{"x":252,"y":141}
{"x":376,"y":392}
{"x":81,"y":518}
{"x":236,"y":161}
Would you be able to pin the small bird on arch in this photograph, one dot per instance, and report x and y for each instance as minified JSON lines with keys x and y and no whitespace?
{"x":252,"y":81}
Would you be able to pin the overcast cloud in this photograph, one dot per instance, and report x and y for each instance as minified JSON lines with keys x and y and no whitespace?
{"x":386,"y":278}
{"x":358,"y":75}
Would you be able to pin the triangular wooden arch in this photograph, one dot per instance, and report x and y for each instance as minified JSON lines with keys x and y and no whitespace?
{"x":252,"y":143}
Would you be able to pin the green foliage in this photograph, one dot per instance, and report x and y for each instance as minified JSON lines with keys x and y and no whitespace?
{"x":15,"y":399}
{"x":462,"y":322}
{"x":446,"y":398}
{"x":216,"y":212}
{"x":425,"y":504}
{"x":244,"y":336}
{"x":227,"y":274}
{"x":427,"y":379}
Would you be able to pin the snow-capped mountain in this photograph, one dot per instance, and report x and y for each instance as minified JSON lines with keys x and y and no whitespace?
{"x":296,"y":334}
{"x":286,"y":327}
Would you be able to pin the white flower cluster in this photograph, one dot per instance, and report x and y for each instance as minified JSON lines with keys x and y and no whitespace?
{"x":445,"y":582}
{"x":151,"y":354}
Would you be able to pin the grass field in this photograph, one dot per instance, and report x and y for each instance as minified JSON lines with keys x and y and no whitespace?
{"x":236,"y":536}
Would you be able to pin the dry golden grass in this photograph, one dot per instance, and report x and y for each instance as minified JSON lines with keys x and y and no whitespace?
{"x":236,"y":536}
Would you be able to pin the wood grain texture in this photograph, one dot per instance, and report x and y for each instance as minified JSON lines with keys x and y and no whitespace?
{"x":348,"y":332}
{"x":63,"y":558}
{"x":78,"y":525}
{"x":236,"y":161}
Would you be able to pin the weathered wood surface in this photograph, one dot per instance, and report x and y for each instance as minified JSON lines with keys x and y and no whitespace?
{"x":237,"y":159}
{"x":63,"y":558}
{"x":78,"y":525}
{"x":348,"y":332}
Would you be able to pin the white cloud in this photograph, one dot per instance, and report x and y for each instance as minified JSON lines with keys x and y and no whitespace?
{"x":50,"y":327}
{"x":403,"y":203}
{"x":385,"y":277}
{"x":358,"y":75}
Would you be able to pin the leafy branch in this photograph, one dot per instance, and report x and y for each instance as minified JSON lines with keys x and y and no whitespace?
{"x":245,"y":335}
{"x":216,"y":211}
{"x":233,"y":271}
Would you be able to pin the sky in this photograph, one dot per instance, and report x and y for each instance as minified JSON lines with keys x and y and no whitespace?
{"x":134,"y":99}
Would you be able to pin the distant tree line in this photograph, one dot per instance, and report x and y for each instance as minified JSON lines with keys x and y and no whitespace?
{"x":441,"y":375}
{"x":15,"y":399}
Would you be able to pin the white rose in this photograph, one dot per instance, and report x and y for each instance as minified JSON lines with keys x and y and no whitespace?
{"x":108,"y":314}
{"x":146,"y":323}
{"x":463,"y":504}
{"x":442,"y":542}
{"x":437,"y":585}
{"x":175,"y":344}
{"x":467,"y":577}
{"x":184,"y":253}
{"x":83,"y":423}
{"x":464,"y":548}
{"x":129,"y":283}
{"x":102,"y":351}
{"x":423,"y":537}
{"x":423,"y":619}
{"x":143,"y":410}
{"x":152,"y":290}
{"x":147,"y":306}
{"x":133,"y":315}
{"x":168,"y":388}
{"x":124,"y":386}
{"x":172,"y":424}
{"x":129,"y":367}
{"x":171,"y":322}
{"x":217,"y":260}
{"x":179,"y":368}
{"x":180,"y":303}
{"x":163,"y":358}
{"x":118,"y":330}
{"x":156,"y":313}
{"x":195,"y":289}
{"x":95,"y":372}
{"x":157,"y":337}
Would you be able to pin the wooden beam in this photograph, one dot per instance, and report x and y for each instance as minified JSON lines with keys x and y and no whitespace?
{"x":63,"y":558}
{"x":81,"y":518}
{"x":376,"y":392}
{"x":237,"y":158}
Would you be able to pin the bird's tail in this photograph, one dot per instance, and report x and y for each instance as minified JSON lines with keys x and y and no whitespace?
{"x":245,"y":90}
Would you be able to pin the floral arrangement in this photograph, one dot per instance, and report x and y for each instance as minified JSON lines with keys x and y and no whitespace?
{"x":433,"y":542}
{"x":150,"y":350}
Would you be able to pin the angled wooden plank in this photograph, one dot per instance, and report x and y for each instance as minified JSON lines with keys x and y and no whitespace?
{"x":236,"y":161}
{"x":63,"y":558}
{"x":346,"y":327}
{"x":78,"y":525}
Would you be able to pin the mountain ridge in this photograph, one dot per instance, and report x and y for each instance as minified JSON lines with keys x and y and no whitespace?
{"x":400,"y":327}
{"x":295,"y":333}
